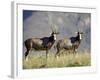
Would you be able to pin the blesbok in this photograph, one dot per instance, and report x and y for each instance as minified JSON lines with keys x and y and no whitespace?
{"x":40,"y":44}
{"x":71,"y":43}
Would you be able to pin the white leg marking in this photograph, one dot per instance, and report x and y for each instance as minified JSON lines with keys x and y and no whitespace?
{"x":27,"y":58}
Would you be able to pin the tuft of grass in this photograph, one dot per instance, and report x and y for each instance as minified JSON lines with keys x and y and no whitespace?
{"x":64,"y":60}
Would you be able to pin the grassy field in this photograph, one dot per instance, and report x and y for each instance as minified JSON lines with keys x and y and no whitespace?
{"x":65,"y":60}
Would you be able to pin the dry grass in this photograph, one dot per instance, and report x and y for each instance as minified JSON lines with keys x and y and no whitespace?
{"x":65,"y":60}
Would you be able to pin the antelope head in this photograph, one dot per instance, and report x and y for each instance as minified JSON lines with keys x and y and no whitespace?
{"x":54,"y":31}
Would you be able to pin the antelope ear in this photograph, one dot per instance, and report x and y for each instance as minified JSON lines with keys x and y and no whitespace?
{"x":58,"y":33}
{"x":82,"y":33}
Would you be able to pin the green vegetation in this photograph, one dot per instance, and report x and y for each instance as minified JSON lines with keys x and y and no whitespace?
{"x":64,"y":60}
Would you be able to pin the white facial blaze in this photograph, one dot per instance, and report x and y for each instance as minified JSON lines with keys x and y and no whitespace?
{"x":54,"y":36}
{"x":80,"y":36}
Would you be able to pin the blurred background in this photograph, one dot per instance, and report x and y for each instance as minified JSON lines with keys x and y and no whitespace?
{"x":39,"y":24}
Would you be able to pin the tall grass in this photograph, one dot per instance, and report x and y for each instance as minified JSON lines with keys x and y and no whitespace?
{"x":64,"y":60}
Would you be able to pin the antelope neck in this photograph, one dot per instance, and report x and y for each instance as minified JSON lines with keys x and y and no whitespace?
{"x":52,"y":38}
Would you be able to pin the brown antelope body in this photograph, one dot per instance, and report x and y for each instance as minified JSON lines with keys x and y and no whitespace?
{"x":40,"y":44}
{"x":71,"y":43}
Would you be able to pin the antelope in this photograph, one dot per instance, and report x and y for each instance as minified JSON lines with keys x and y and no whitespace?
{"x":40,"y":44}
{"x":71,"y":43}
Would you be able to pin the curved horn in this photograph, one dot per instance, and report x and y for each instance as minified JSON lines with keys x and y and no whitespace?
{"x":51,"y":28}
{"x":55,"y":29}
{"x":77,"y":31}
